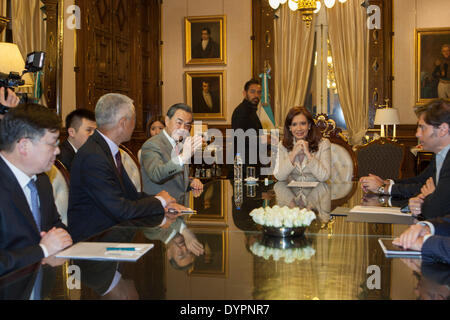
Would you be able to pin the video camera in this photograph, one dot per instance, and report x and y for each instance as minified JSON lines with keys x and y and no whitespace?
{"x":35,"y":62}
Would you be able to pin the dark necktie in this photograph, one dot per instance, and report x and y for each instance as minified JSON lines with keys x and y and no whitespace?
{"x":35,"y":203}
{"x":119,"y":162}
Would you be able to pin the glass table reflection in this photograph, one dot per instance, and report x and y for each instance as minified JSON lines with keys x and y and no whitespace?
{"x":334,"y":260}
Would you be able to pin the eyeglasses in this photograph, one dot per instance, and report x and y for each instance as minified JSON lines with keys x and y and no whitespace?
{"x":34,"y":141}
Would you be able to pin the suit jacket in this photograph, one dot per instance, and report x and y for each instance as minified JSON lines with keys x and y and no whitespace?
{"x":199,"y":104}
{"x":436,"y":204}
{"x":19,"y":234}
{"x":159,"y":171}
{"x":66,"y":155}
{"x":212,"y":50}
{"x":437,"y":247}
{"x":99,"y":196}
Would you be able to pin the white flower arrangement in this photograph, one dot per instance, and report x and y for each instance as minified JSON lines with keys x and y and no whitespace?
{"x":289,"y":255}
{"x":283,"y":217}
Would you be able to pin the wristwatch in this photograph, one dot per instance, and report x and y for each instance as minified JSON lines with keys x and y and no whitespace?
{"x":380,"y":189}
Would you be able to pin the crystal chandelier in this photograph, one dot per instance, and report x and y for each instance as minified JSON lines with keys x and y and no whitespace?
{"x":306,"y":7}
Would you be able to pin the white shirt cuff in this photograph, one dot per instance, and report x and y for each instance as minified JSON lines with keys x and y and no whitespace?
{"x":391,"y":183}
{"x":425,"y":238}
{"x":44,"y":249}
{"x":163,"y":222}
{"x":430,"y":225}
{"x":161,"y":199}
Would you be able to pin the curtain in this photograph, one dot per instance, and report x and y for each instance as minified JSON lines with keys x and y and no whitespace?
{"x":28,"y":27}
{"x":348,"y":34}
{"x":294,"y":44}
{"x":3,"y":13}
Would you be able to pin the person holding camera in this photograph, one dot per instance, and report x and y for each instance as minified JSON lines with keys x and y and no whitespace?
{"x":165,"y":157}
{"x":10,"y":102}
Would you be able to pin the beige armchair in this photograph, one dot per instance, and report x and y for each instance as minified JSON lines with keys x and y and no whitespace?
{"x":132,"y":166}
{"x":59,"y":178}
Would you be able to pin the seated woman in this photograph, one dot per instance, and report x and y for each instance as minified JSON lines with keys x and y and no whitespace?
{"x":155,"y":126}
{"x":303,"y":155}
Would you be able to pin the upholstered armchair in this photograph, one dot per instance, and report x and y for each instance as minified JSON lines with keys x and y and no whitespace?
{"x":343,"y":160}
{"x":132,"y":166}
{"x":59,"y":178}
{"x":382,"y":157}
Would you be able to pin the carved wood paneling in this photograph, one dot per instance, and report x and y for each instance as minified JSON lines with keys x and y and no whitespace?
{"x":118,"y":50}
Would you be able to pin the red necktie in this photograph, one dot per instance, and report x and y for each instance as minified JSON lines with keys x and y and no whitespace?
{"x":119,"y":162}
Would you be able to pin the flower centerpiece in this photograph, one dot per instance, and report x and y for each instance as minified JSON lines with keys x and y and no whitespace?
{"x":277,"y":221}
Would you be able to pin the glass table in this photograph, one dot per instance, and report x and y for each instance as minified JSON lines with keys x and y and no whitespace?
{"x":336,"y":259}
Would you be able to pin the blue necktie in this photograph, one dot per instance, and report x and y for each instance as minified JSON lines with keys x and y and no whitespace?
{"x":35,"y":203}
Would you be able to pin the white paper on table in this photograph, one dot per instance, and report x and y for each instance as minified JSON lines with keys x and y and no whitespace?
{"x":97,"y":251}
{"x":303,"y":184}
{"x":375,"y":209}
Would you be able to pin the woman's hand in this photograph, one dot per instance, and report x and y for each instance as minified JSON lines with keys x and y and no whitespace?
{"x":300,"y":149}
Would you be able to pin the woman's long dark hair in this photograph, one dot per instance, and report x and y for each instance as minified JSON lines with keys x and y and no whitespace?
{"x":151,"y":122}
{"x":314,"y":135}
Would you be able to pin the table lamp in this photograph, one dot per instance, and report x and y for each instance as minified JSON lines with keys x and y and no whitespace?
{"x":387,"y":116}
{"x":11,"y":60}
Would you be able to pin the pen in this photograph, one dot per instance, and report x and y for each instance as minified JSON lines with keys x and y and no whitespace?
{"x":120,"y":249}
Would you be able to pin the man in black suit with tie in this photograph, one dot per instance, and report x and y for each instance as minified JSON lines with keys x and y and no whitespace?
{"x":101,"y":193}
{"x":30,"y":226}
{"x":429,"y":191}
{"x":80,"y":125}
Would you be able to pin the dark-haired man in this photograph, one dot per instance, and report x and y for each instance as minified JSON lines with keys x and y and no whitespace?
{"x":30,"y":226}
{"x":428,"y":192}
{"x":165,"y":157}
{"x":207,"y":47}
{"x":80,"y":124}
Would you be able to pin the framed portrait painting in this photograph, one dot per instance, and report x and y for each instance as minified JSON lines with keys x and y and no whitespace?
{"x":205,"y":39}
{"x":432,"y":64}
{"x":205,"y":93}
{"x":214,"y":262}
{"x":211,"y":205}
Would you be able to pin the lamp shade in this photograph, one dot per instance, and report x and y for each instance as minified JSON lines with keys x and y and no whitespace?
{"x":387,"y":116}
{"x":11,"y":60}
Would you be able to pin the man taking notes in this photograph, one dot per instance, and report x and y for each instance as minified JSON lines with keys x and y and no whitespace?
{"x":30,"y":226}
{"x":101,"y":193}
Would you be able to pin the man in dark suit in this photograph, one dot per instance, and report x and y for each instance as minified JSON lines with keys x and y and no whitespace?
{"x":432,"y":237}
{"x":80,"y":125}
{"x":207,"y":47}
{"x":30,"y":226}
{"x":206,"y":101}
{"x":429,"y":191}
{"x":101,"y":193}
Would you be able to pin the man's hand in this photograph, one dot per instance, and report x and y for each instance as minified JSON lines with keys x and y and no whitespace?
{"x":12,"y":100}
{"x":192,"y":243}
{"x":415,"y":205}
{"x":52,"y":261}
{"x":428,"y":188}
{"x":371,"y":183}
{"x":413,"y":237}
{"x":191,"y":144}
{"x":196,"y":184}
{"x":196,"y":193}
{"x":167,"y":197}
{"x":55,"y":240}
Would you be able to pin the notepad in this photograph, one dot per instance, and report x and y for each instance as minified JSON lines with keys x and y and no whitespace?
{"x":382,"y":210}
{"x":390,"y":250}
{"x":303,"y":184}
{"x":98,"y":251}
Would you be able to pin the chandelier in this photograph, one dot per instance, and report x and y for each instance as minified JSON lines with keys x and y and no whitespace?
{"x":306,"y":7}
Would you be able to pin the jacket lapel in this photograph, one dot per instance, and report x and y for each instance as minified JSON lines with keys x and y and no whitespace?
{"x":17,"y":195}
{"x":166,"y":146}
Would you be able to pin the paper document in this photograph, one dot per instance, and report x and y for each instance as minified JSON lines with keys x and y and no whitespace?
{"x":106,"y":251}
{"x":375,"y":209}
{"x":391,"y":250}
{"x":303,"y":184}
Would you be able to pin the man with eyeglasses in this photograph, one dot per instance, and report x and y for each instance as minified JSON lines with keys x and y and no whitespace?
{"x":166,"y":156}
{"x":30,"y":226}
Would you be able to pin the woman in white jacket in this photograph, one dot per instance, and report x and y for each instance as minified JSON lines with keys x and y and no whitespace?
{"x":303,"y":155}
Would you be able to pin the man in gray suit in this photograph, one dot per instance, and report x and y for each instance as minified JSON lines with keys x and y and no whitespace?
{"x":165,"y":157}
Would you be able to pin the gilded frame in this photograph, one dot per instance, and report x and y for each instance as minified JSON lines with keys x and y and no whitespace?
{"x":217,"y":49}
{"x":220,"y":204}
{"x":194,"y":82}
{"x":428,"y":44}
{"x":214,"y":262}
